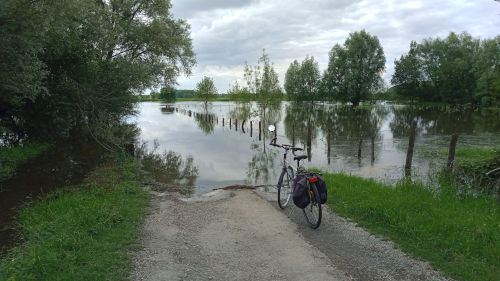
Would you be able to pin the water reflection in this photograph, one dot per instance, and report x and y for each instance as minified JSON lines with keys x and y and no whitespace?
{"x":205,"y":121}
{"x":229,"y":140}
{"x":301,"y":124}
{"x":168,"y":109}
{"x":261,"y":168}
{"x":169,"y":170}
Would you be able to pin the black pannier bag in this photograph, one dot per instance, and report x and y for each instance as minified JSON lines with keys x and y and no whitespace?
{"x":300,"y":192}
{"x":321,"y":185}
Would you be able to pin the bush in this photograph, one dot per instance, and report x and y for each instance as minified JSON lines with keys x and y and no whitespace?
{"x":472,"y":166}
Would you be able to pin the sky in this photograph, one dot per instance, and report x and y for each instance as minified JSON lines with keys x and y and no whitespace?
{"x":227,"y":33}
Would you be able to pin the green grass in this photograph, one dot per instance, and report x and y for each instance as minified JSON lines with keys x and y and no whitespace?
{"x":83,"y":234}
{"x":476,"y":154}
{"x":200,"y":100}
{"x":458,"y":235}
{"x":12,"y":156}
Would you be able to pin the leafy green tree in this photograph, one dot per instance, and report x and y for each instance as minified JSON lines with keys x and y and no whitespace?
{"x":262,"y":80}
{"x":408,"y":76}
{"x":456,"y":79}
{"x":302,"y":82}
{"x":270,"y":88}
{"x":310,"y":79}
{"x":238,"y":93}
{"x":354,"y":70}
{"x":487,"y":69}
{"x":292,"y":81}
{"x":83,"y":61}
{"x":154,"y":95}
{"x":205,"y":90}
{"x":457,"y":70}
{"x":167,"y":93}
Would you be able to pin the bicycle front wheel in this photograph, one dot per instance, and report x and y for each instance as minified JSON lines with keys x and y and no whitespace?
{"x":313,"y":211}
{"x":285,"y":187}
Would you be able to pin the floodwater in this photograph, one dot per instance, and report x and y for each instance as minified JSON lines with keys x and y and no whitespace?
{"x":64,"y":165}
{"x":192,"y":149}
{"x":222,"y":145}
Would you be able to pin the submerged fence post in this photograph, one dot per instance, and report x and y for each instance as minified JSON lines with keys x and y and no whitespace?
{"x":230,"y":123}
{"x":373,"y":149}
{"x":251,"y":128}
{"x":309,"y":142}
{"x":243,"y":126}
{"x":222,"y":122}
{"x":409,"y":153}
{"x":451,"y":152}
{"x":328,"y":144}
{"x":260,"y":130}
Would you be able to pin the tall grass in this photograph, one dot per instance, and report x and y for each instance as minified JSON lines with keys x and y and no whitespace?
{"x":458,"y":235}
{"x":12,"y":156}
{"x":471,"y":170}
{"x":83,"y":234}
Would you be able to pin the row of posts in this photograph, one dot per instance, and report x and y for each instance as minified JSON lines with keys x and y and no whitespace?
{"x":210,"y":118}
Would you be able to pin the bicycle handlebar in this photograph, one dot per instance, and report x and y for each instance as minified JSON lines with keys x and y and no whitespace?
{"x":285,"y":146}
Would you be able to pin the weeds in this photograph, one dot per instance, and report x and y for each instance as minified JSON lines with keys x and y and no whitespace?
{"x":459,"y":235}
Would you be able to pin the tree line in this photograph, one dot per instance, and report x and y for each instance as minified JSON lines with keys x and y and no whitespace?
{"x":456,"y":70}
{"x":73,"y":68}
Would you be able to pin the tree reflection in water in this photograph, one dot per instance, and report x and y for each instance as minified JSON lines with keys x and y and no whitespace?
{"x":301,"y":124}
{"x":169,"y":170}
{"x":205,"y":121}
{"x":261,"y":166}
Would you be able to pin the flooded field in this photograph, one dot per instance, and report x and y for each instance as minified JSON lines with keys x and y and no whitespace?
{"x":223,"y":145}
{"x":192,"y":149}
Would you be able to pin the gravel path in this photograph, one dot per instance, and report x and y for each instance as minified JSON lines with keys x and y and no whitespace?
{"x":239,"y":235}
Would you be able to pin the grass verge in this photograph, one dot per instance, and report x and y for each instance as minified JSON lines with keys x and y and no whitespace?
{"x":12,"y":156}
{"x":458,"y":235}
{"x":81,"y":234}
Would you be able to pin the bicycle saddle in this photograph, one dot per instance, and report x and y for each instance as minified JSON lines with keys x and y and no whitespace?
{"x":300,"y":157}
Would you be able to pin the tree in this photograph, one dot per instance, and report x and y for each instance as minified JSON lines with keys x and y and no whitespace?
{"x":264,"y":85}
{"x":302,"y":82}
{"x":82,"y":62}
{"x":310,"y":79}
{"x":457,"y":58}
{"x":354,"y":70}
{"x":167,"y":93}
{"x":205,"y":90}
{"x":457,"y":70}
{"x":292,"y":81}
{"x":487,"y":70}
{"x":408,"y":76}
{"x":240,"y":94}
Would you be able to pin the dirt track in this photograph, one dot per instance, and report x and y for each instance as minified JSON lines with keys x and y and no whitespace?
{"x":238,"y":235}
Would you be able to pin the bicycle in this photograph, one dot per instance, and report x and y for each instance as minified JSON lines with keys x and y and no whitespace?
{"x":312,"y":212}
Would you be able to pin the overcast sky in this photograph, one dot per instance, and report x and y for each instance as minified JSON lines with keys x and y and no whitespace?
{"x":228,"y":33}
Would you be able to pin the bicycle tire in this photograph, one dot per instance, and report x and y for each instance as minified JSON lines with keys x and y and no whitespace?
{"x":285,"y":187}
{"x":313,"y":211}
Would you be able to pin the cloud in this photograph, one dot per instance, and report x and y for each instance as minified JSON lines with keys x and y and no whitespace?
{"x":228,"y":33}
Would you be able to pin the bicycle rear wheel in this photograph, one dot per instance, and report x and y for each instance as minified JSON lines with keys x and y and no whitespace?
{"x":313,"y":211}
{"x":285,"y":187}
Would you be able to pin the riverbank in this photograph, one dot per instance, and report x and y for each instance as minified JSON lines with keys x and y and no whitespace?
{"x":81,"y":234}
{"x":458,"y":235}
{"x":13,"y":156}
